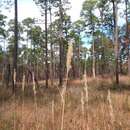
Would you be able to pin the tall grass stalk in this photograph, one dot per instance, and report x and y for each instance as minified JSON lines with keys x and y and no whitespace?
{"x":35,"y":101}
{"x":63,"y":107}
{"x":23,"y":88}
{"x":68,"y":67}
{"x":86,"y":93}
{"x":103,"y":113}
{"x":83,"y":111}
{"x":14,"y":114}
{"x":111,"y":108}
{"x":86,"y":89}
{"x":53,"y":114}
{"x":86,"y":100}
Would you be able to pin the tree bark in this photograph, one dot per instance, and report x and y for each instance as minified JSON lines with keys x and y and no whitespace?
{"x":127,"y":34}
{"x":94,"y":62}
{"x":102,"y":56}
{"x":15,"y":44}
{"x":115,"y":18}
{"x":61,"y":49}
{"x":46,"y":45}
{"x":79,"y":65}
{"x":52,"y":56}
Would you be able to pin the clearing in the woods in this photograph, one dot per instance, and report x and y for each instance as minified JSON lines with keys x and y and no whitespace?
{"x":106,"y":107}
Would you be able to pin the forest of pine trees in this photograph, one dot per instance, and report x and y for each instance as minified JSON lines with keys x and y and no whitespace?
{"x":44,"y":60}
{"x":98,"y":40}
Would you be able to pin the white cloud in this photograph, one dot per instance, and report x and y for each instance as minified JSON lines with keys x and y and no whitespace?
{"x":76,"y":8}
{"x":27,"y":8}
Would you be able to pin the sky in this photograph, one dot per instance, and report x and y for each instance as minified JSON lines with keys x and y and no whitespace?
{"x":27,"y":8}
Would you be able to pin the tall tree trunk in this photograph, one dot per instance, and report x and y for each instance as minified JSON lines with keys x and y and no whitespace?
{"x":46,"y":44}
{"x":27,"y":48}
{"x":93,"y":52}
{"x":116,"y":40}
{"x":52,"y":57}
{"x":61,"y":50}
{"x":128,"y":62}
{"x":121,"y":61}
{"x":15,"y":43}
{"x":126,"y":13}
{"x":79,"y":65}
{"x":127,"y":34}
{"x":102,"y":56}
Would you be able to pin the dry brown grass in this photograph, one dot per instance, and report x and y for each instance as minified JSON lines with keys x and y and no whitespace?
{"x":49,"y":108}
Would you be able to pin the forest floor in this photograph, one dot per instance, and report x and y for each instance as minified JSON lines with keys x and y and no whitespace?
{"x":107,"y":107}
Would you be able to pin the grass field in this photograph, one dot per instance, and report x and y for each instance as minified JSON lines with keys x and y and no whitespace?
{"x":104,"y":106}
